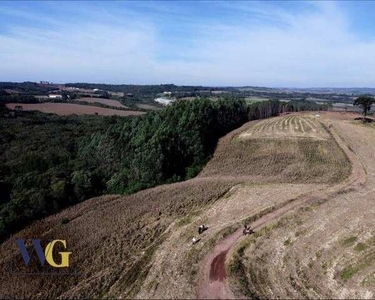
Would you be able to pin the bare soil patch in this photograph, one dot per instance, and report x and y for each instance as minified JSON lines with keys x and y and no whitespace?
{"x":69,"y":109}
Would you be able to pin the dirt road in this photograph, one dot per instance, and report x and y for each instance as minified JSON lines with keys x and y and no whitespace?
{"x":180,"y":270}
{"x":214,"y":284}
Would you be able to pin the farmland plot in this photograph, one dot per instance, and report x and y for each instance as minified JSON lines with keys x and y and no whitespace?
{"x":287,"y":127}
{"x":287,"y":149}
{"x":64,"y":109}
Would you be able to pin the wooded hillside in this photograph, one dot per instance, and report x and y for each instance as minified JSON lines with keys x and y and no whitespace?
{"x":50,"y":162}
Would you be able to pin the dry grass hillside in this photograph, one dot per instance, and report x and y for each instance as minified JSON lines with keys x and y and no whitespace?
{"x":139,"y":245}
{"x":323,"y":250}
{"x":184,"y":271}
{"x":283,"y":149}
{"x":112,"y":240}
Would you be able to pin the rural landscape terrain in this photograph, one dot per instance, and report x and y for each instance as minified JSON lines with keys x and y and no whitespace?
{"x":187,"y":149}
{"x":129,"y":190}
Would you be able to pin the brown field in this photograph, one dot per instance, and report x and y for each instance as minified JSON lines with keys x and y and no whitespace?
{"x":183,"y":271}
{"x":322,"y":250}
{"x":283,"y":149}
{"x":290,"y":127}
{"x":109,"y":102}
{"x":314,"y":224}
{"x":69,"y":109}
{"x":112,"y":240}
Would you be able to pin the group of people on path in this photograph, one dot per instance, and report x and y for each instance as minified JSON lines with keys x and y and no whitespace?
{"x":202,"y":228}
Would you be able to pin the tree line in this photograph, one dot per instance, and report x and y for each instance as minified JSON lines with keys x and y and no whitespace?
{"x":30,"y":88}
{"x":50,"y":162}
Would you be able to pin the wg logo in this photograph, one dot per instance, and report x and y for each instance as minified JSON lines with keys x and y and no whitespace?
{"x":35,"y":259}
{"x":46,"y":255}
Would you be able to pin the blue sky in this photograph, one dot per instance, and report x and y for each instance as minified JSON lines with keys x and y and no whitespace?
{"x":291,"y":43}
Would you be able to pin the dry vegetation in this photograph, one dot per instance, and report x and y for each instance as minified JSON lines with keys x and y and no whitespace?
{"x":287,"y":149}
{"x":322,"y":250}
{"x":290,"y":127}
{"x":178,"y":266}
{"x":111,"y":239}
{"x":69,"y":109}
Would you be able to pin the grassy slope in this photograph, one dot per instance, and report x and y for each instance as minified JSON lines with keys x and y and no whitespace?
{"x":111,"y":239}
{"x":285,"y":159}
{"x":177,"y":263}
{"x":325,"y":250}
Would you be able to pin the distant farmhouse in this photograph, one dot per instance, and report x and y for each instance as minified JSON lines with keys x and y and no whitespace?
{"x":54,"y":96}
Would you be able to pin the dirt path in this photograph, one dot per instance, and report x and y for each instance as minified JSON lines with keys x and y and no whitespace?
{"x":214,"y":284}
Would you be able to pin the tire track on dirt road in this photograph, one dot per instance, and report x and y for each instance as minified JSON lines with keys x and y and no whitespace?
{"x":214,"y":284}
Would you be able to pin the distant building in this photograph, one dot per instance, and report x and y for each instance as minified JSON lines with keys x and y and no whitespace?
{"x":51,"y":96}
{"x":167,"y":93}
{"x":164,"y":101}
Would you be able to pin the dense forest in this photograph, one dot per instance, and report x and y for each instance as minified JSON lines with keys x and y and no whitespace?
{"x":49,"y":162}
{"x":145,"y":89}
{"x":16,"y":98}
{"x":28,"y":88}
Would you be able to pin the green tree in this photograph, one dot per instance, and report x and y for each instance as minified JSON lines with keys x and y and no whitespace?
{"x":82,"y":183}
{"x":365,"y":102}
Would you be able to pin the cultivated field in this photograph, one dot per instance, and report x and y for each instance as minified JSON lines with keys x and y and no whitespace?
{"x":283,"y":149}
{"x":69,"y":109}
{"x":105,"y":101}
{"x":290,"y":127}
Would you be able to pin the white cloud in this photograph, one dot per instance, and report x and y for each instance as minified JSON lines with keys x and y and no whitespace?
{"x":312,"y":48}
{"x":87,"y":53}
{"x":315,"y":49}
